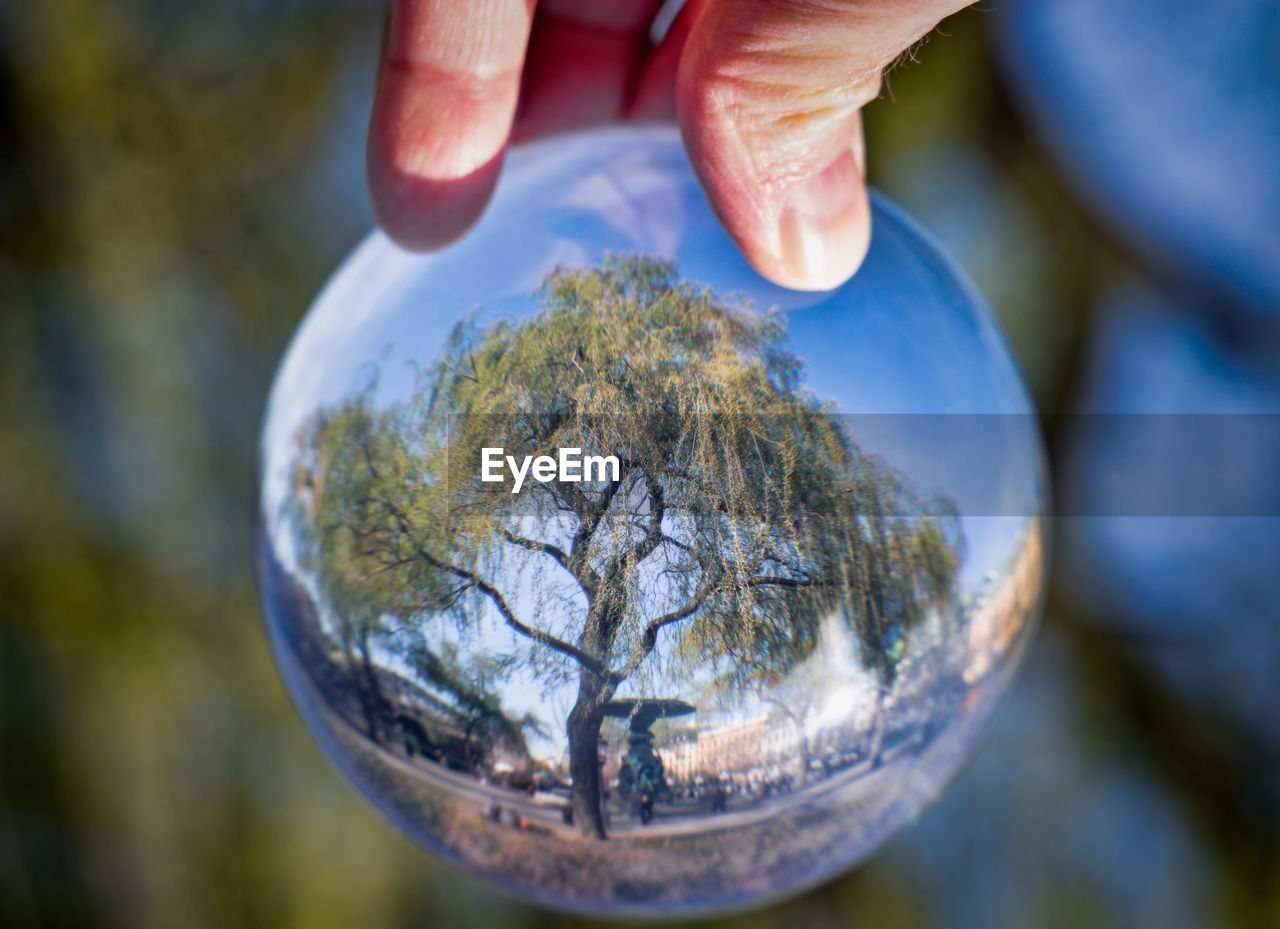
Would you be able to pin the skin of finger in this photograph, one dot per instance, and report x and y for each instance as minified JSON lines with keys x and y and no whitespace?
{"x":447,"y":88}
{"x":768,"y":95}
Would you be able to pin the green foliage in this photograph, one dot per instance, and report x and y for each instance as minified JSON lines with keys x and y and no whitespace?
{"x":469,"y":685}
{"x":744,"y":514}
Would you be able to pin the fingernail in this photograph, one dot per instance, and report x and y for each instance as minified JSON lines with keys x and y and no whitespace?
{"x":824,"y":227}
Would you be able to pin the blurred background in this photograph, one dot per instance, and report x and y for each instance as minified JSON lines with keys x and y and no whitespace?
{"x":177,"y":180}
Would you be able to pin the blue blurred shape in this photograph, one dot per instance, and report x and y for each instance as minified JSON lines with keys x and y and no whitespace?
{"x":1198,"y":594}
{"x":1167,"y":118}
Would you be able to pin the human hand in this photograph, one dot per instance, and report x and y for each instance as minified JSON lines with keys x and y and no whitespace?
{"x":768,"y":95}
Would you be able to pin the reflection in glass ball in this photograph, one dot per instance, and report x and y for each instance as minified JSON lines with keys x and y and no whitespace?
{"x":624,"y":579}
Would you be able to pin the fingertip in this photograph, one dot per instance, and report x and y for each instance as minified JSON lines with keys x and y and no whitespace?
{"x":824,"y":228}
{"x":808,"y":229}
{"x":447,"y":86}
{"x":780,"y":156}
{"x":769,"y":98}
{"x":812,"y":250}
{"x":418,"y":210}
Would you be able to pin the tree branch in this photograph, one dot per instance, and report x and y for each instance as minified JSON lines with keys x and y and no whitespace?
{"x":591,"y":520}
{"x":585,"y":577}
{"x":383,"y":569}
{"x":670,"y":540}
{"x":653,"y":536}
{"x":791,"y":582}
{"x":534,"y":545}
{"x":712,"y":586}
{"x":650,"y":637}
{"x":589,"y":662}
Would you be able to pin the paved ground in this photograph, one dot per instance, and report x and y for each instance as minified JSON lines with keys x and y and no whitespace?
{"x":681,"y":817}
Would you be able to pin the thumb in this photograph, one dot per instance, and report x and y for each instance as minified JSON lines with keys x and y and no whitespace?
{"x":768,"y":95}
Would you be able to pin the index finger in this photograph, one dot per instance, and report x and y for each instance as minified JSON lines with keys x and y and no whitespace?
{"x":448,"y":82}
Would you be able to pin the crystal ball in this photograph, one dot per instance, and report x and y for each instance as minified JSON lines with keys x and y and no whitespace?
{"x":625,"y":580}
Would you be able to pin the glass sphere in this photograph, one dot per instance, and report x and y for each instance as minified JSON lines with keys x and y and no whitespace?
{"x":622,"y":578}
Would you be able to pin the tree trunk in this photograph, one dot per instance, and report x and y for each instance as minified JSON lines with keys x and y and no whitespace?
{"x":356,"y":679}
{"x":872,"y":760}
{"x":877,"y":734}
{"x":594,"y":691}
{"x":584,"y":757}
{"x":375,"y":702}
